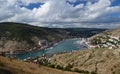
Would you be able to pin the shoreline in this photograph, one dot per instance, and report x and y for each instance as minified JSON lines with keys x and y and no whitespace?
{"x":46,"y":55}
{"x":52,"y":44}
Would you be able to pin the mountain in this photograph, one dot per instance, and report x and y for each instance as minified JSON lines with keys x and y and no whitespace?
{"x":19,"y":36}
{"x":10,"y":66}
{"x":22,"y":36}
{"x":21,"y":31}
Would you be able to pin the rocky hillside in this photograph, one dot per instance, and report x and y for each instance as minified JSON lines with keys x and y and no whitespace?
{"x":108,"y":39}
{"x":113,"y":32}
{"x":10,"y":66}
{"x":97,"y":61}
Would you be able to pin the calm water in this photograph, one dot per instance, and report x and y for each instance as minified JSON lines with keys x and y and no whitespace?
{"x":64,"y":46}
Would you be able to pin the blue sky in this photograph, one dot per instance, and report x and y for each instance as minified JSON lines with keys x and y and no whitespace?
{"x":32,"y":5}
{"x":116,"y":3}
{"x":62,"y":13}
{"x":77,"y":2}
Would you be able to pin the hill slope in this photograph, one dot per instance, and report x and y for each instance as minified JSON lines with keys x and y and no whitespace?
{"x":100,"y":61}
{"x":10,"y":66}
{"x":108,"y":39}
{"x":112,"y":32}
{"x":22,"y":36}
{"x":25,"y":32}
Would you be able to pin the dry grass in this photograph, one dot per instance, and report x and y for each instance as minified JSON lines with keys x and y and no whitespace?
{"x":112,"y":32}
{"x":17,"y":67}
{"x":102,"y":61}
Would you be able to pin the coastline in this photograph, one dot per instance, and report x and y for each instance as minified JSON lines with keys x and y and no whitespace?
{"x":49,"y":52}
{"x":50,"y":46}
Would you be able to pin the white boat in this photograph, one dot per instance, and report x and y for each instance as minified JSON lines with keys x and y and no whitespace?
{"x":51,"y":48}
{"x":80,"y":42}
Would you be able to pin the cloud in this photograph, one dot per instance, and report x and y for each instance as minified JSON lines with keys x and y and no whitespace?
{"x":60,"y":13}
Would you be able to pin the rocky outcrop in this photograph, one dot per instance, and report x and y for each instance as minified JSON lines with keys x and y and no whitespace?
{"x":11,"y":45}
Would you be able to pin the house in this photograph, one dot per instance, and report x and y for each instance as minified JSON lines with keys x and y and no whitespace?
{"x":43,"y":43}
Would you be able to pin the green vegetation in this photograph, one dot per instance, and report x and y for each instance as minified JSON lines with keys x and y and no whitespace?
{"x":46,"y":62}
{"x":22,"y":32}
{"x":82,"y":71}
{"x":25,"y":32}
{"x":4,"y":71}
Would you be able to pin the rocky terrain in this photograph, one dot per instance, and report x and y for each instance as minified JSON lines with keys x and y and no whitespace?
{"x":109,"y":39}
{"x":99,"y":61}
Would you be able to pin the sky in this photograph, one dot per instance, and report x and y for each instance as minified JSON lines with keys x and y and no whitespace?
{"x":62,"y":13}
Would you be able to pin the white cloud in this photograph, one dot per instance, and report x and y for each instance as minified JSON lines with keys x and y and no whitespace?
{"x":57,"y":13}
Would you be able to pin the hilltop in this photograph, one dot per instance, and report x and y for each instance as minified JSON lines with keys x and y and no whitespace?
{"x":112,"y":32}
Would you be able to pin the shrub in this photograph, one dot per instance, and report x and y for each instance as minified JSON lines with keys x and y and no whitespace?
{"x":93,"y":72}
{"x":51,"y":65}
{"x":59,"y":67}
{"x":68,"y":67}
{"x":1,"y":64}
{"x":81,"y":71}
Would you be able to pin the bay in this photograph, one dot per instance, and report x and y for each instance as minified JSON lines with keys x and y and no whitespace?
{"x":64,"y":46}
